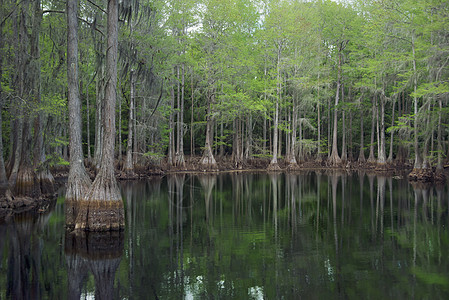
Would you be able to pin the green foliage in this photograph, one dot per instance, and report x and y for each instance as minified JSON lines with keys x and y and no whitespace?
{"x":54,"y":160}
{"x":54,"y":105}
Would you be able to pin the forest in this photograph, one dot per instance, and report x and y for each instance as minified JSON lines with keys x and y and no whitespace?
{"x":186,"y":84}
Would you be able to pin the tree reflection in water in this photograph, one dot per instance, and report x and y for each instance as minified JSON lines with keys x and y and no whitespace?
{"x":97,"y":252}
{"x":243,"y":236}
{"x":23,"y":233}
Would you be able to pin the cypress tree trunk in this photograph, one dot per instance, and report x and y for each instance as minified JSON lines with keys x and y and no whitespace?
{"x":129,"y":165}
{"x":171,"y":138}
{"x":292,"y":157}
{"x":318,"y":109}
{"x":334,"y":158}
{"x":350,"y":146}
{"x":208,"y":159}
{"x":119,"y":125}
{"x":264,"y":134}
{"x":89,"y":154}
{"x":236,"y":144}
{"x":44,"y":178}
{"x":99,"y":130}
{"x":171,"y":134}
{"x":178,"y":115}
{"x":371,"y":157}
{"x":192,"y":134}
{"x":249,"y":139}
{"x":222,"y":138}
{"x":23,"y":175}
{"x":344,"y":153}
{"x":361,"y":158}
{"x":418,"y":160}
{"x":3,"y":178}
{"x":390,"y":155}
{"x":426,"y":164}
{"x":78,"y":182}
{"x":102,"y":209}
{"x":180,"y":161}
{"x":439,"y":175}
{"x":382,"y":157}
{"x":274,"y":161}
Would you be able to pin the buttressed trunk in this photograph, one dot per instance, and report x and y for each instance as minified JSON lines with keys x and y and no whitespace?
{"x":102,"y":209}
{"x":78,"y":182}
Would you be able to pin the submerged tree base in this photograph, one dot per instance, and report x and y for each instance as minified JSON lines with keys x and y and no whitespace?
{"x":102,"y":208}
{"x":77,"y":187}
{"x":100,"y":215}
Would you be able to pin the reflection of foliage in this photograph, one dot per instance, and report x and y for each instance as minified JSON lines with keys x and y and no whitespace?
{"x":271,"y":236}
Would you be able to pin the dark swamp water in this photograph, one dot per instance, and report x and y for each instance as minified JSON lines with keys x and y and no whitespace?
{"x":241,"y":236}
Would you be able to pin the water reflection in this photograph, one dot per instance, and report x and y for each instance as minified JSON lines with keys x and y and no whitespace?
{"x":286,"y":235}
{"x":21,"y":235}
{"x":100,"y":253}
{"x":243,"y":236}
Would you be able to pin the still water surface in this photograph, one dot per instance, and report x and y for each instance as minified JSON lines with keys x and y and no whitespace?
{"x":241,"y":236}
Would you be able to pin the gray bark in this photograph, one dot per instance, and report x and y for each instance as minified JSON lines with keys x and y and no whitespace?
{"x":418,"y":159}
{"x":3,"y":178}
{"x":129,"y":166}
{"x":103,"y":209}
{"x":208,"y":159}
{"x":274,"y":160}
{"x":371,"y":147}
{"x":382,"y":155}
{"x":361,"y":158}
{"x":78,"y":181}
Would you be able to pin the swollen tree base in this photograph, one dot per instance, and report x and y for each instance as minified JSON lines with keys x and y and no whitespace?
{"x":334,"y":160}
{"x":99,"y":215}
{"x":273,"y":166}
{"x":78,"y":185}
{"x":46,"y":182}
{"x":102,"y":209}
{"x":208,"y":161}
{"x":421,"y":175}
{"x":292,"y":164}
{"x":26,"y":183}
{"x":180,"y":160}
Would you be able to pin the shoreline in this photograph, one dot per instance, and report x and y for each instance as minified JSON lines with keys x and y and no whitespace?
{"x":10,"y":205}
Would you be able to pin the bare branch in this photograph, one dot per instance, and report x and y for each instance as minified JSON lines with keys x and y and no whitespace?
{"x":97,"y":6}
{"x":82,"y":20}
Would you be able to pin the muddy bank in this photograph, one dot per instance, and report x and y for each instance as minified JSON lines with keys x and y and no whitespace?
{"x":226,"y":164}
{"x":10,"y":205}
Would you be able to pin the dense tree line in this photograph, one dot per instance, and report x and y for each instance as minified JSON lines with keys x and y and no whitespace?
{"x":337,"y":83}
